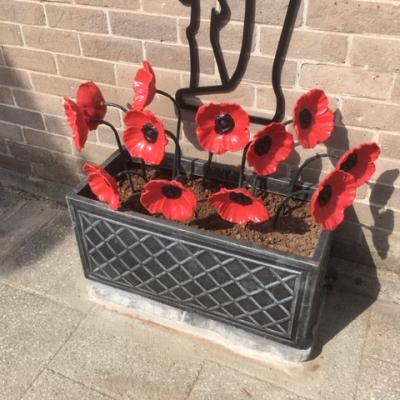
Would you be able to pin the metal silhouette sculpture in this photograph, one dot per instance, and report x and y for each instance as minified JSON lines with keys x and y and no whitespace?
{"x":229,"y":82}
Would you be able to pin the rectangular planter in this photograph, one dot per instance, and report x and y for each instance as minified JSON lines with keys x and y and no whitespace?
{"x":266,"y":292}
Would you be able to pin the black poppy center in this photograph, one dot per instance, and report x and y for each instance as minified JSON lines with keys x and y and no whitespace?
{"x":171,"y":192}
{"x":305,"y":118}
{"x":350,"y":162}
{"x":263,"y":145}
{"x":325,"y":195}
{"x":240,"y":198}
{"x":224,"y":124}
{"x":150,"y":133}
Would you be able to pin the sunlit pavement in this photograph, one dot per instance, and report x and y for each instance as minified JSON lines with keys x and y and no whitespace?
{"x":57,"y":344}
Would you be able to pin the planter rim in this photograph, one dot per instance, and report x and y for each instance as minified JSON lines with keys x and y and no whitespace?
{"x":308,"y":262}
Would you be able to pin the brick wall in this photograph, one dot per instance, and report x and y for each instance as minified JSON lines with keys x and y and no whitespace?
{"x":349,"y":48}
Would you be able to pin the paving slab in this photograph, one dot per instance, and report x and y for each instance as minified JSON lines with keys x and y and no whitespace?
{"x":379,"y":380}
{"x":55,"y":344}
{"x":222,"y":383}
{"x":32,"y":330}
{"x":383,"y":339}
{"x":49,"y":264}
{"x":53,"y":386}
{"x":332,"y":374}
{"x":9,"y":201}
{"x":15,"y":227}
{"x":128,"y":359}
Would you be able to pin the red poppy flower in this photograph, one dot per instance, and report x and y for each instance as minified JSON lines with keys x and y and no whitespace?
{"x":144,"y":86}
{"x":145,"y":136}
{"x":103,"y":185}
{"x":238,"y":206}
{"x":169,"y":198}
{"x":360,"y":162}
{"x":91,"y":101}
{"x":222,"y":127}
{"x":269,"y":148}
{"x":313,"y":119}
{"x":334,"y":194}
{"x":77,"y":122}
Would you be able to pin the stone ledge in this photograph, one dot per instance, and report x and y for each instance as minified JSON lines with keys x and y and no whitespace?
{"x":231,"y":338}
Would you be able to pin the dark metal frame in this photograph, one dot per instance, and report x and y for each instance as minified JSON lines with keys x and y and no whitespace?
{"x":229,"y":83}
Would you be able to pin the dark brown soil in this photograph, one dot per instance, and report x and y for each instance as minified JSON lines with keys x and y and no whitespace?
{"x":296,"y":233}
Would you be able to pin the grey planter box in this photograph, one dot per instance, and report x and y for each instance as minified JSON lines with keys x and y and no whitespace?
{"x":269,"y":293}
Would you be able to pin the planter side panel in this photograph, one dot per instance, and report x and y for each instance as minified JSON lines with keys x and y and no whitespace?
{"x":223,"y":282}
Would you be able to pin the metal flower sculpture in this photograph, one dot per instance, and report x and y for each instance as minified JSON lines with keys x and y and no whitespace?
{"x":221,"y":128}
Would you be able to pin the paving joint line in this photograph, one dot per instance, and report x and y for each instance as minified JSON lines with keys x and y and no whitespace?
{"x":394,"y":364}
{"x":52,"y":358}
{"x":196,"y":379}
{"x":45,"y":296}
{"x":48,"y":368}
{"x":257,"y":378}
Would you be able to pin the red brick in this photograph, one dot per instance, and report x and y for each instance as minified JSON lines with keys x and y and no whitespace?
{"x":14,"y":77}
{"x":58,"y":143}
{"x":33,"y":60}
{"x":22,"y":12}
{"x":76,"y":18}
{"x":21,"y":117}
{"x":10,"y":34}
{"x":11,"y":132}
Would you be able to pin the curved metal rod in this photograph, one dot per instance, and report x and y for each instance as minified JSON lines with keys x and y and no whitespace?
{"x":119,"y":144}
{"x":280,"y":55}
{"x":243,"y":164}
{"x":304,"y":165}
{"x":231,"y":83}
{"x":254,"y":184}
{"x":178,"y":111}
{"x":129,"y":173}
{"x":177,"y":154}
{"x":207,"y":167}
{"x":191,"y":32}
{"x":218,"y":21}
{"x":116,"y":135}
{"x":288,"y":122}
{"x":247,"y":41}
{"x":282,"y":207}
{"x":115,"y":105}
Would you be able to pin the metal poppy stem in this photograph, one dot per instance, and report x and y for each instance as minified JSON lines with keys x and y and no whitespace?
{"x":115,"y":105}
{"x":131,"y":172}
{"x":290,"y":121}
{"x":282,"y":207}
{"x":208,"y":165}
{"x":177,"y":154}
{"x":243,"y":164}
{"x":178,"y":110}
{"x":254,"y":184}
{"x":120,"y":147}
{"x":304,"y":165}
{"x":143,"y":167}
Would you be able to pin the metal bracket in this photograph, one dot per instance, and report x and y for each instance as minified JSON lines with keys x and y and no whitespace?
{"x":229,"y":83}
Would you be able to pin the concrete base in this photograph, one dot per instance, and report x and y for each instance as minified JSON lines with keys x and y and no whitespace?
{"x":234,"y":339}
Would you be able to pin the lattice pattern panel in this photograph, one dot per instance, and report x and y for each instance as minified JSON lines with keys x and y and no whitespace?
{"x":221,"y":285}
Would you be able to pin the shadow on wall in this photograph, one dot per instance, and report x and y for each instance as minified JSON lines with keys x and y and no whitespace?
{"x":35,"y":139}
